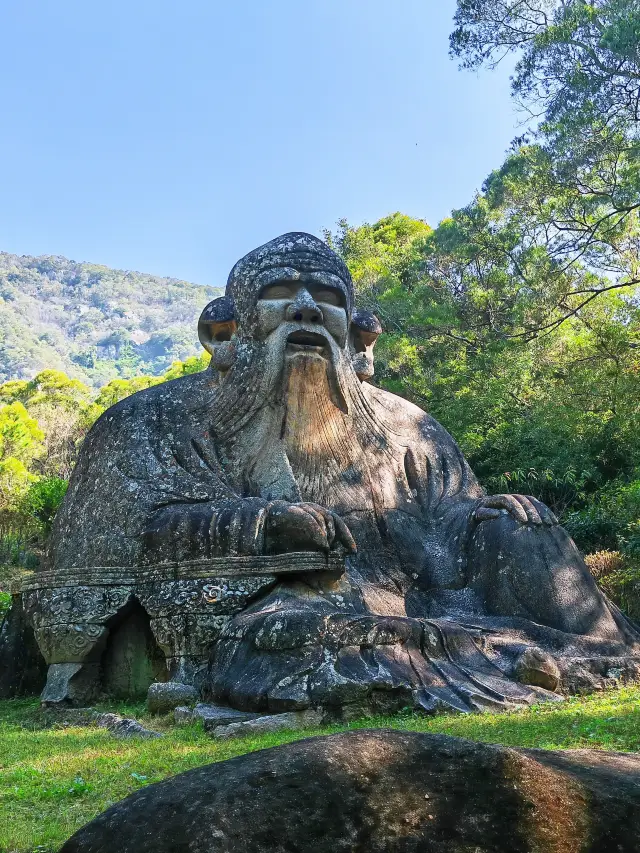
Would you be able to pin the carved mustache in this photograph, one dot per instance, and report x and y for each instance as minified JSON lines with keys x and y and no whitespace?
{"x":317,"y":330}
{"x":303,"y":338}
{"x":305,"y":335}
{"x":313,"y":335}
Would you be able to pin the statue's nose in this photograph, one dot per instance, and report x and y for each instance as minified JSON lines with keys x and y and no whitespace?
{"x":304,"y":309}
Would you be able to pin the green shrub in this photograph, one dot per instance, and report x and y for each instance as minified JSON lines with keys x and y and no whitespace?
{"x":610,"y":521}
{"x":42,"y":500}
{"x":623,"y":588}
{"x":5,"y":604}
{"x":618,"y":576}
{"x":16,"y":551}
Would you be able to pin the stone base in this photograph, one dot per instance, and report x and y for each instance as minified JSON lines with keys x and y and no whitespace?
{"x":137,"y":625}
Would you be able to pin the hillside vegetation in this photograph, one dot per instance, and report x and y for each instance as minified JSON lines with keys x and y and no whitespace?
{"x":92,"y":322}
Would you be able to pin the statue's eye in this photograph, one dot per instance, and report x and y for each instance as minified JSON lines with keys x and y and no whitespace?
{"x":328,"y":297}
{"x":276,"y":291}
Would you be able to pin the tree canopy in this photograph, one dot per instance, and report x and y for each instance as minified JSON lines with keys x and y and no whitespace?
{"x":568,"y":194}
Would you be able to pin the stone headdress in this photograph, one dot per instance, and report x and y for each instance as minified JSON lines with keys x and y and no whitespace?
{"x":286,"y":257}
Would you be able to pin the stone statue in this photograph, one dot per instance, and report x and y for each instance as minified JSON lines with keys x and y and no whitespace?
{"x":300,"y":537}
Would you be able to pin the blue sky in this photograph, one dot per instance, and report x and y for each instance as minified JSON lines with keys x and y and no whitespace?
{"x":173,"y":137}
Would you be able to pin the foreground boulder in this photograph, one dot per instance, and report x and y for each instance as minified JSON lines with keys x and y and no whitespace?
{"x":375,"y":791}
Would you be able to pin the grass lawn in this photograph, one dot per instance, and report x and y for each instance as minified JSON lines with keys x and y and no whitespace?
{"x":54,"y":779}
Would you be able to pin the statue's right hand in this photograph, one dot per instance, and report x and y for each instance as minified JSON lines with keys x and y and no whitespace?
{"x":305,"y":527}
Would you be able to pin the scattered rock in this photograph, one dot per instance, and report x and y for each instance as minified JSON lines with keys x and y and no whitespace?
{"x":182,"y":715}
{"x":273,"y":723}
{"x":537,"y":668}
{"x":124,"y":726}
{"x":61,"y":716}
{"x":165,"y":696}
{"x":70,"y":684}
{"x":383,"y":791}
{"x":213,"y":716}
{"x":588,"y":675}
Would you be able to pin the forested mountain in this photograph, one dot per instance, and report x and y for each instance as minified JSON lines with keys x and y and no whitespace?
{"x":92,"y":322}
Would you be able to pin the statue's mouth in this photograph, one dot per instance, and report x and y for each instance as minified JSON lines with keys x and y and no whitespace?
{"x":303,"y":341}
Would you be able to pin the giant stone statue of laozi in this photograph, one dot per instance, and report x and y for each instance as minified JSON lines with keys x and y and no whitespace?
{"x":299,"y":537}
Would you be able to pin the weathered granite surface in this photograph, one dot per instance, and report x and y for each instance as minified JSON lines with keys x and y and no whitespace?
{"x":23,"y":671}
{"x":164,"y":697}
{"x":213,"y":716}
{"x":284,"y":535}
{"x":124,"y":727}
{"x":269,"y":724}
{"x":383,"y":792}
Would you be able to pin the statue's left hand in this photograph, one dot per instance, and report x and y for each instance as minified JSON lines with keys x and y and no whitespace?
{"x":306,"y":526}
{"x":524,"y":508}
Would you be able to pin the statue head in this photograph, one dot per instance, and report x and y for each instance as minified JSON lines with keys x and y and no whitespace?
{"x":292,"y":259}
{"x":290,"y":352}
{"x":295,"y":295}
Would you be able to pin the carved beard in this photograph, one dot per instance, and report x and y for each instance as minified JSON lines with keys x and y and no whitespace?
{"x":296,"y":427}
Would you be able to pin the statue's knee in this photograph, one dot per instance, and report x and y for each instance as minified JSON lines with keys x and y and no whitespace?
{"x":504,"y":537}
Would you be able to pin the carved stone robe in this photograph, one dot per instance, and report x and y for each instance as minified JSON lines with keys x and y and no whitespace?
{"x":433,"y":610}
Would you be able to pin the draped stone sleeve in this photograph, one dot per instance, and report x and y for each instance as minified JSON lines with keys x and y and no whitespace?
{"x":429,"y":529}
{"x":435,"y":469}
{"x":148,"y":487}
{"x":451,"y":493}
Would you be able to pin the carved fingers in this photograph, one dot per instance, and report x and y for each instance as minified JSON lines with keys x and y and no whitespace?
{"x":335,"y":529}
{"x":301,"y":525}
{"x":523,"y":508}
{"x":306,"y":526}
{"x":547,"y":517}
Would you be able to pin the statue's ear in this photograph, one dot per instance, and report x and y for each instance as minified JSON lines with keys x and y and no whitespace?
{"x":216,"y":327}
{"x":365,"y":330}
